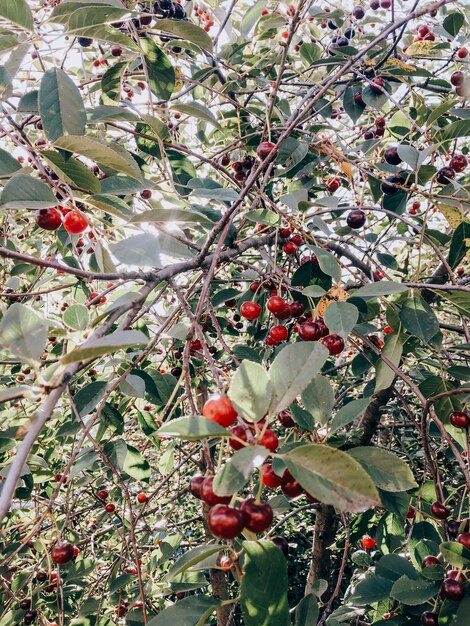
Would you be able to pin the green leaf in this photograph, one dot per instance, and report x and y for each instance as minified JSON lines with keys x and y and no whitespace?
{"x":100,"y":153}
{"x":348,"y":413}
{"x":455,"y":613}
{"x":192,"y":427}
{"x":250,"y":17}
{"x":371,"y":590}
{"x":393,"y":566}
{"x":310,"y":52}
{"x":60,"y":105}
{"x":109,"y":344}
{"x":318,"y":399}
{"x":111,"y":81}
{"x":87,"y":399}
{"x":456,"y":554}
{"x":188,"y":31}
{"x":25,"y":192}
{"x":392,"y":350}
{"x":191,"y":558}
{"x":328,"y":263}
{"x":6,"y":83}
{"x":386,"y":469}
{"x":76,"y":317}
{"x":197,"y":110}
{"x":182,"y":171}
{"x":250,"y":391}
{"x":341,"y":317}
{"x":237,"y":470}
{"x":461,"y":300}
{"x":8,"y":164}
{"x":17,"y":12}
{"x":333,"y":477}
{"x":140,"y":250}
{"x":302,"y":417}
{"x":160,"y":71}
{"x":306,"y":612}
{"x":453,"y":23}
{"x":23,"y":332}
{"x":292,"y":371}
{"x":410,"y":155}
{"x":263,"y":589}
{"x":190,"y":611}
{"x":454,"y":131}
{"x":379,"y":288}
{"x":73,"y":171}
{"x":458,"y":246}
{"x":413,"y":591}
{"x":135,"y":465}
{"x":352,"y":109}
{"x":419,"y":319}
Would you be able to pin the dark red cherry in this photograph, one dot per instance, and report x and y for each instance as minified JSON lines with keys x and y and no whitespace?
{"x":428,"y":618}
{"x":292,"y":489}
{"x":48,"y":219}
{"x":452,"y":589}
{"x":269,"y":440}
{"x":240,"y":432}
{"x":391,"y":155}
{"x":265,"y":148}
{"x":297,"y":308}
{"x":459,"y":419}
{"x":282,"y":544}
{"x":445,"y":175}
{"x":430,"y":560}
{"x":439,"y":510}
{"x":464,"y":539}
{"x":310,"y":331}
{"x":458,"y":163}
{"x":268,"y":477}
{"x":208,"y":495}
{"x":259,"y":515}
{"x":457,"y":78}
{"x":285,"y":418}
{"x":195,"y":485}
{"x":377,"y":85}
{"x":225,"y":521}
{"x":356,"y":219}
{"x":62,"y":553}
{"x":334,"y":344}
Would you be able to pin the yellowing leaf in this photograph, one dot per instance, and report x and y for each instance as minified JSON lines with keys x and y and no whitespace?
{"x":400,"y":64}
{"x":338,"y":293}
{"x":453,"y":216}
{"x":346,"y":168}
{"x":421,"y":49}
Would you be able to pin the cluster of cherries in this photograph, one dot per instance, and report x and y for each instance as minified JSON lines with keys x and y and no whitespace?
{"x":242,"y":168}
{"x":307,"y":328}
{"x":51,"y":219}
{"x":457,"y":164}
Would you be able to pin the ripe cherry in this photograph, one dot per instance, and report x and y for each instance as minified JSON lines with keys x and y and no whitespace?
{"x":289,"y":248}
{"x":457,"y":78}
{"x":25,"y":604}
{"x":297,"y":239}
{"x":464,"y":539}
{"x":428,"y":618}
{"x":62,"y":553}
{"x":225,"y":521}
{"x":430,"y":560}
{"x":195,"y":485}
{"x":452,"y":589}
{"x":75,"y":223}
{"x":110,"y":508}
{"x":310,"y":331}
{"x":285,"y":232}
{"x":250,"y":310}
{"x":391,"y":155}
{"x":268,"y":477}
{"x":457,"y":574}
{"x":292,"y":489}
{"x":462,"y":53}
{"x":116,"y":51}
{"x":276,"y":305}
{"x":146,"y":194}
{"x":458,"y":163}
{"x":358,"y":12}
{"x":84,"y":42}
{"x":334,"y":344}
{"x":49,"y":219}
{"x":241,"y":433}
{"x":445,"y":175}
{"x":219,"y":409}
{"x":356,"y":219}
{"x":333,"y":184}
{"x":460,"y":419}
{"x":282,"y":544}
{"x":297,"y":308}
{"x":254,"y":287}
{"x":416,"y":205}
{"x":208,"y":495}
{"x":452,"y":527}
{"x":358,"y":99}
{"x":265,"y":148}
{"x":102,"y":494}
{"x":259,"y":515}
{"x":279,"y":333}
{"x":29,"y":617}
{"x":225,"y":563}
{"x":389,"y":185}
{"x":368,"y":542}
{"x":269,"y":440}
{"x":439,"y":510}
{"x":285,"y":418}
{"x":141,"y":498}
{"x":377,"y":85}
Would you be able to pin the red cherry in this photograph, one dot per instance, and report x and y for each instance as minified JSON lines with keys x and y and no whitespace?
{"x":195,"y":485}
{"x":428,"y":618}
{"x":250,"y":310}
{"x":452,"y":589}
{"x":225,"y":521}
{"x":458,"y":163}
{"x":377,"y":84}
{"x":297,"y":309}
{"x":60,"y":478}
{"x":254,"y":287}
{"x":146,"y":194}
{"x":429,"y":37}
{"x":464,"y":539}
{"x":282,"y":544}
{"x":457,"y":78}
{"x":48,"y":219}
{"x":285,"y":232}
{"x":459,"y":419}
{"x":63,"y":553}
{"x":416,"y":205}
{"x":356,"y":219}
{"x":439,"y":510}
{"x":430,"y":560}
{"x":269,"y":440}
{"x":423,"y":30}
{"x":289,"y":247}
{"x":110,"y":508}
{"x":462,"y":53}
{"x":297,"y":239}
{"x":116,"y":51}
{"x":292,"y":489}
{"x":388,"y":330}
{"x":457,"y":574}
{"x":368,"y":543}
{"x":276,"y":304}
{"x":323,"y":327}
{"x":265,"y":148}
{"x":102,"y":494}
{"x":285,"y":418}
{"x":285,"y":314}
{"x":76,"y":551}
{"x":259,"y":515}
{"x":141,"y":498}
{"x":279,"y":333}
{"x":208,"y":495}
{"x":410,"y":514}
{"x":219,"y":409}
{"x":240,"y":432}
{"x":358,"y":99}
{"x":309,"y":331}
{"x":75,"y":223}
{"x":334,"y":344}
{"x":268,"y":477}
{"x":333,"y":184}
{"x":225,"y":563}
